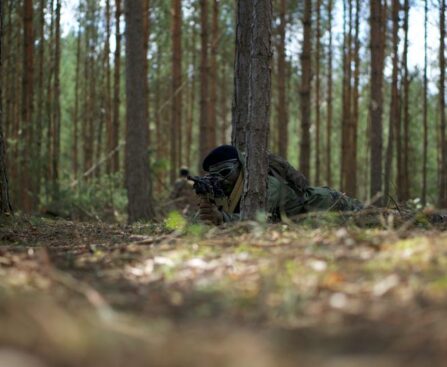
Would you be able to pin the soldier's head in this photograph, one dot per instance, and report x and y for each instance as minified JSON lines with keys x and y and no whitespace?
{"x":184,"y":172}
{"x":224,"y":162}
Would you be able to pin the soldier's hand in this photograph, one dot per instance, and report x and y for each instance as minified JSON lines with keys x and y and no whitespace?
{"x":209,"y":214}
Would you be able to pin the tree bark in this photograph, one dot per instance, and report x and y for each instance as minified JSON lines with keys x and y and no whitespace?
{"x":27,"y":107}
{"x":108,"y":91}
{"x":254,"y":198}
{"x":5,"y":205}
{"x":329,"y":100}
{"x":239,"y":112}
{"x":317,"y":95}
{"x":212,"y":117}
{"x":176,"y":111}
{"x":351,"y":180}
{"x":205,"y":139}
{"x":347,"y":115}
{"x":425,"y":110}
{"x":283,"y":118}
{"x":404,"y":187}
{"x":306,"y":77}
{"x":116,"y":88}
{"x":192,"y":98}
{"x":394,"y":118}
{"x":137,"y":172}
{"x":442,"y":106}
{"x":57,"y":103}
{"x":376,"y":103}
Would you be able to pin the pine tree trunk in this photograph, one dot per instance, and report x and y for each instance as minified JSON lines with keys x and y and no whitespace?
{"x":351,"y":180}
{"x":57,"y":104}
{"x":376,"y":104}
{"x":239,"y":109}
{"x":116,"y":88}
{"x":108,"y":92}
{"x":329,"y":100}
{"x":425,"y":110}
{"x":394,"y":104}
{"x":305,"y":92}
{"x":192,"y":98}
{"x":405,"y":184}
{"x":26,"y":199}
{"x":347,"y":117}
{"x":254,"y":198}
{"x":283,"y":118}
{"x":49,"y":103}
{"x":205,"y":143}
{"x":137,"y":174}
{"x":40,"y":105}
{"x":75,"y":154}
{"x":317,"y":95}
{"x":442,"y":107}
{"x":5,"y":205}
{"x":176,"y":112}
{"x":212,"y":118}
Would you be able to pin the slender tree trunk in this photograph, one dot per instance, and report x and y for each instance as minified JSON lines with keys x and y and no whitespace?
{"x":5,"y":205}
{"x":192,"y":98}
{"x":405,"y":188}
{"x":283,"y":118}
{"x":239,"y":113}
{"x":108,"y":92}
{"x":347,"y":116}
{"x":57,"y":104}
{"x":116,"y":88}
{"x":27,"y":106}
{"x":158,"y":132}
{"x":212,"y":118}
{"x":317,"y":95}
{"x":351,"y":180}
{"x":394,"y":104}
{"x":425,"y":110}
{"x":205,"y":142}
{"x":40,"y":105}
{"x":442,"y":106}
{"x":137,"y":165}
{"x":329,"y":100}
{"x":305,"y":92}
{"x":376,"y":104}
{"x":75,"y":153}
{"x":224,"y":104}
{"x":176,"y":112}
{"x":254,"y":198}
{"x":49,"y":103}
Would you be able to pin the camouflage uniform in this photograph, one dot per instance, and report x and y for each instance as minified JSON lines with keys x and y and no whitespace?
{"x":288,"y":194}
{"x":283,"y":201}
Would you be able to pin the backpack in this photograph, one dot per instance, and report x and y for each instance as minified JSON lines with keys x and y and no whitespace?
{"x":285,"y":173}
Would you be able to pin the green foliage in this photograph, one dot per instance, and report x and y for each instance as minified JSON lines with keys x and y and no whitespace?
{"x":175,"y":221}
{"x":101,"y":198}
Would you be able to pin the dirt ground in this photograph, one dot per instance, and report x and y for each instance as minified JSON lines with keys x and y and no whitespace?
{"x":308,"y":294}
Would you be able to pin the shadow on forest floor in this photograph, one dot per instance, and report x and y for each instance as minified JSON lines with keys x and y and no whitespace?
{"x":94,"y":294}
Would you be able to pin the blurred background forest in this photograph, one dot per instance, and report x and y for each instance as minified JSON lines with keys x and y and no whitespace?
{"x":63,"y":97}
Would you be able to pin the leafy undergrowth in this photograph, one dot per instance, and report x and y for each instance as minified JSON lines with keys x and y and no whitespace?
{"x":245,"y":295}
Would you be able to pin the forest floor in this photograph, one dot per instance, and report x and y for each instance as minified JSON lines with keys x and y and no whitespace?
{"x":309,"y":294}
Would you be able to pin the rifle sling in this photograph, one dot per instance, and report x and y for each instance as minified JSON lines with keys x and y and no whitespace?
{"x":236,"y":194}
{"x":229,"y":204}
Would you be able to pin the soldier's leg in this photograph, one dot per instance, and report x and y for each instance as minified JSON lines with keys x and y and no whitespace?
{"x":325,"y":198}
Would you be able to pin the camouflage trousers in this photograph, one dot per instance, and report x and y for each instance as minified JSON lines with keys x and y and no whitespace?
{"x":324,"y":198}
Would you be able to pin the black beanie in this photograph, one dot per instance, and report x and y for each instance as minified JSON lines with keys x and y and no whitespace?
{"x":220,"y":154}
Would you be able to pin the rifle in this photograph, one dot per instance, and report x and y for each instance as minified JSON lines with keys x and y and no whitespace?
{"x":208,"y":187}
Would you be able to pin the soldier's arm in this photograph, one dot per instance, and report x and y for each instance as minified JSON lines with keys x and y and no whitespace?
{"x":282,"y":199}
{"x":289,"y":173}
